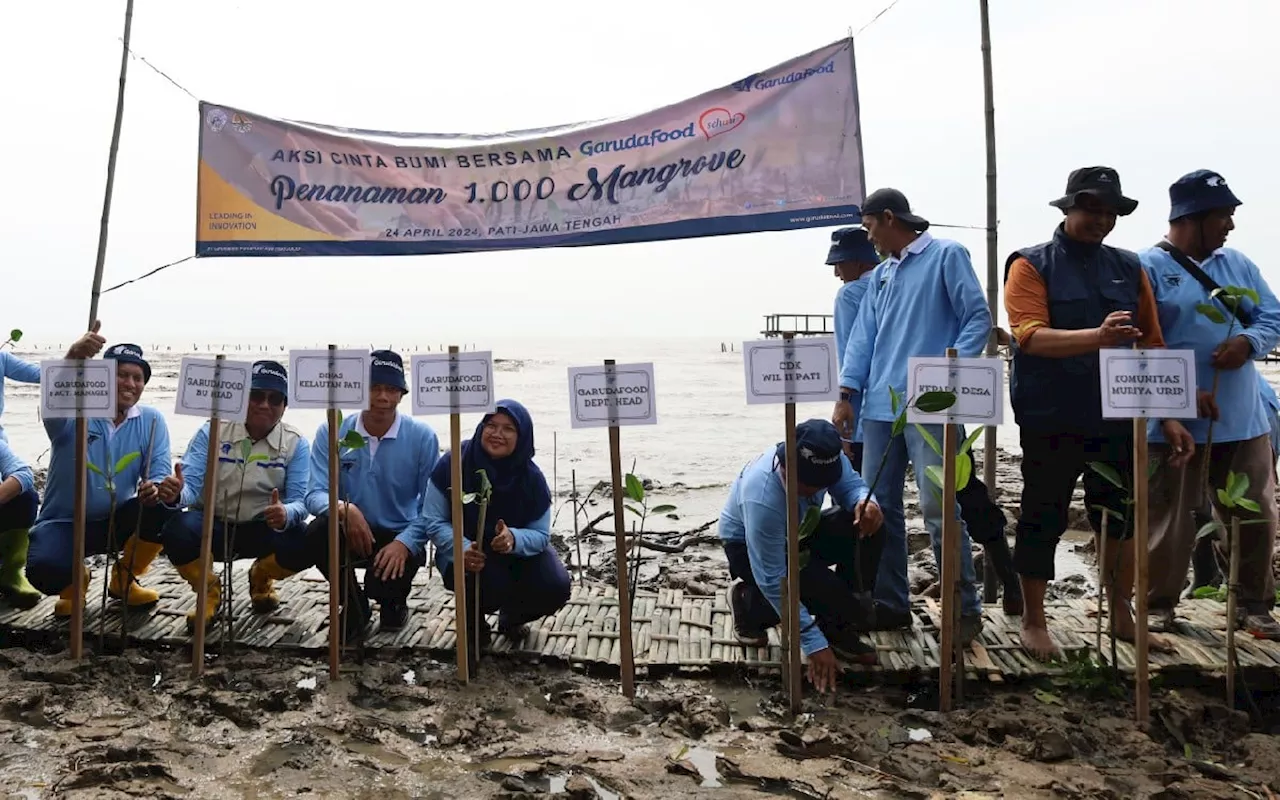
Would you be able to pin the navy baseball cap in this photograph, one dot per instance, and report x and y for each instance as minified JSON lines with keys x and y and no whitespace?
{"x":882,"y":200}
{"x":851,"y":244}
{"x":129,"y":354}
{"x":387,"y":368}
{"x":818,"y":448}
{"x":270,"y":376}
{"x":1200,"y":191}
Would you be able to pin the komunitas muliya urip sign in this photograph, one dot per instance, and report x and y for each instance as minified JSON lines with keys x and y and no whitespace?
{"x":777,"y":150}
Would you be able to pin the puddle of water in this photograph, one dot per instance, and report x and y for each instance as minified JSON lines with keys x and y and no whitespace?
{"x":410,"y":678}
{"x":704,"y":761}
{"x":509,"y":766}
{"x":375,"y":751}
{"x":435,"y":768}
{"x":559,"y":783}
{"x":275,"y":757}
{"x":307,"y":683}
{"x":1068,"y":562}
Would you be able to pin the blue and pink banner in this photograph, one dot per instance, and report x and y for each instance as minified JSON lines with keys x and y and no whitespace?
{"x":777,"y":150}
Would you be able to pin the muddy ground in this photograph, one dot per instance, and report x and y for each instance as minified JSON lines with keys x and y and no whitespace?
{"x":267,"y":726}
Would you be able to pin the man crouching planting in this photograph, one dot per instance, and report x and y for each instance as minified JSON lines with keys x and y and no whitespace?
{"x":259,"y":509}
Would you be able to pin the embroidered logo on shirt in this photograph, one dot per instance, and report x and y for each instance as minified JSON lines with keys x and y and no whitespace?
{"x":1173,"y":280}
{"x":93,"y":437}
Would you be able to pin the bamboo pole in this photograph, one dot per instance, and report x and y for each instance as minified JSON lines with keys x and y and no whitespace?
{"x":620,"y":556}
{"x":337,"y":572}
{"x":459,"y":571}
{"x":990,"y":580}
{"x":951,"y":656}
{"x":792,"y":676}
{"x":206,"y":531}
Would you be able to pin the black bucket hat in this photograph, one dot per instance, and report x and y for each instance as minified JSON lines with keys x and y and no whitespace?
{"x":1101,"y":182}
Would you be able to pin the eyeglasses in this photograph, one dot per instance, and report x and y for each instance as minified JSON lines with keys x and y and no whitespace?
{"x":505,"y":431}
{"x":273,"y":399}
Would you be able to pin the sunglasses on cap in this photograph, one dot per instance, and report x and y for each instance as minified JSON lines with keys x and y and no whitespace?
{"x":273,"y":399}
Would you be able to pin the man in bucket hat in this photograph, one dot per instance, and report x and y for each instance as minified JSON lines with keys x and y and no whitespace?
{"x":853,"y":257}
{"x":753,"y":531}
{"x":1185,"y":269}
{"x":1066,"y":299}
{"x":381,"y":486}
{"x":923,"y":299}
{"x":260,"y":510}
{"x":142,"y":487}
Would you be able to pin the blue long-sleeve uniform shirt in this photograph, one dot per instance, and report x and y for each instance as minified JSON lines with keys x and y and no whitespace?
{"x":386,"y":487}
{"x":19,"y":370}
{"x":1242,"y":412}
{"x":11,"y":466}
{"x":915,"y":306}
{"x":437,"y":516}
{"x":106,"y":448}
{"x":848,"y":300}
{"x":297,"y":474}
{"x":756,"y":513}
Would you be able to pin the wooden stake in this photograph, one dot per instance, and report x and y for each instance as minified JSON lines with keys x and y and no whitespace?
{"x":77,"y":539}
{"x":993,"y":267}
{"x":459,"y":572}
{"x":1103,"y":595}
{"x":951,"y":655}
{"x":791,"y":586}
{"x":206,"y":533}
{"x":620,"y":555}
{"x":1141,"y":679}
{"x":1233,"y":580}
{"x":337,"y":571}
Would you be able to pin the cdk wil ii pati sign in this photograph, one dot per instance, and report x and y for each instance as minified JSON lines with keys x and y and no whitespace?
{"x":778,"y":150}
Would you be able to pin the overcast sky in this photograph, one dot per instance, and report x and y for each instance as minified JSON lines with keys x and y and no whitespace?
{"x":1154,"y":88}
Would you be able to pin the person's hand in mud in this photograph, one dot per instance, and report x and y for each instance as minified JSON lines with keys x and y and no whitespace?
{"x":1182,"y":445}
{"x":1233,"y":353}
{"x":1117,"y":330}
{"x":822,"y":670}
{"x":89,"y":345}
{"x":504,"y":541}
{"x":170,"y":489}
{"x":275,"y":515}
{"x":1206,"y":405}
{"x":359,"y":536}
{"x":867,"y":518}
{"x":473,"y":558}
{"x":389,"y":563}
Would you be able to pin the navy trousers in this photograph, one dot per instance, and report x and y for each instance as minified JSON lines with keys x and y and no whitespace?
{"x":20,"y":512}
{"x":375,"y":588}
{"x":49,"y":556}
{"x":518,"y":589}
{"x":254,"y":539}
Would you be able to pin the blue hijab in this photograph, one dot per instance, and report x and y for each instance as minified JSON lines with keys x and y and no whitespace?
{"x":520,"y":494}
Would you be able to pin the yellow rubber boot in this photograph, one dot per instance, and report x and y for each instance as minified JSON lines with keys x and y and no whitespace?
{"x":62,"y":608}
{"x":262,"y":577}
{"x":213,"y":596}
{"x":135,"y":558}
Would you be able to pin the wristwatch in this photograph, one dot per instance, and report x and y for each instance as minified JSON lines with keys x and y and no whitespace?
{"x":846,"y":396}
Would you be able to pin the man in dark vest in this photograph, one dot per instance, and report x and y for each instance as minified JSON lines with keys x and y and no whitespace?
{"x":1067,"y":299}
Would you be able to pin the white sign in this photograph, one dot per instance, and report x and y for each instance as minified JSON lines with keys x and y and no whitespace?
{"x":612,"y":395}
{"x":978,"y":384}
{"x":791,"y":371}
{"x":453,"y":384}
{"x":201,"y":394}
{"x":1148,"y":383}
{"x":329,"y":379}
{"x":70,"y":389}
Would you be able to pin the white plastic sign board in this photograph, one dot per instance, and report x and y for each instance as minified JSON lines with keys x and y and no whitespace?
{"x":978,"y":384}
{"x":612,"y":396}
{"x":71,"y":389}
{"x":1138,"y":384}
{"x":453,"y":384}
{"x":329,"y":379}
{"x":208,"y":388}
{"x":791,"y":370}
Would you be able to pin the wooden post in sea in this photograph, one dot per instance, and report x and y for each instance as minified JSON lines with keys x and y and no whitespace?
{"x":951,"y":655}
{"x":792,"y":678}
{"x":989,"y":578}
{"x":206,"y":531}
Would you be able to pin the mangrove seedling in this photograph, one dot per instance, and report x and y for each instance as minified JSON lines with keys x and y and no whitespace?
{"x":481,"y":498}
{"x":347,"y":445}
{"x":1232,"y":299}
{"x":15,"y":336}
{"x":929,"y":402}
{"x":964,"y":464}
{"x":229,"y":531}
{"x":635,"y":493}
{"x":108,"y":473}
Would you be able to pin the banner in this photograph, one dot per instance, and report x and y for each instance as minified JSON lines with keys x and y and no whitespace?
{"x":777,"y":150}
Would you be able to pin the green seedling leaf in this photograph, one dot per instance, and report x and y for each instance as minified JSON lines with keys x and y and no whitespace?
{"x":665,"y":508}
{"x":1225,"y":499}
{"x":1153,"y":466}
{"x":1205,"y":593}
{"x":257,"y":457}
{"x":94,"y":468}
{"x":899,"y":425}
{"x":1249,"y":505}
{"x":964,"y":471}
{"x":246,"y":447}
{"x":633,"y":510}
{"x":126,"y":460}
{"x":1211,"y":313}
{"x":15,"y":335}
{"x":928,"y":438}
{"x":1244,"y":522}
{"x":970,"y":440}
{"x":1240,"y":292}
{"x":1108,"y":473}
{"x":486,"y":488}
{"x":468,"y":498}
{"x":634,"y":488}
{"x":352,"y":441}
{"x":338,"y":412}
{"x":1237,"y":484}
{"x":810,"y":522}
{"x":1048,"y":698}
{"x":934,"y":473}
{"x":1209,"y":529}
{"x":1111,"y":512}
{"x":934,"y":402}
{"x":895,"y":400}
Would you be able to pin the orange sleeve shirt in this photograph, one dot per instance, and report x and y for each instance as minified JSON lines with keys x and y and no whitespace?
{"x":1026,"y":301}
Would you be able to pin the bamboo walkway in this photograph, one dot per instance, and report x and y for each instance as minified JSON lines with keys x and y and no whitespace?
{"x":674,"y":632}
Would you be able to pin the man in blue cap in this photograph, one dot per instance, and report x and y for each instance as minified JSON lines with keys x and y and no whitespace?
{"x":260,"y":506}
{"x":753,"y":531}
{"x":143,"y":487}
{"x":853,"y":257}
{"x":1185,"y":270}
{"x":381,"y":486}
{"x":923,"y":299}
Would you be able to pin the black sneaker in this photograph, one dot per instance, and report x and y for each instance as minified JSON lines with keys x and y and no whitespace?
{"x":888,"y":619}
{"x":970,"y":628}
{"x":394,"y":615}
{"x":510,"y":627}
{"x":751,"y":637}
{"x":851,"y":647}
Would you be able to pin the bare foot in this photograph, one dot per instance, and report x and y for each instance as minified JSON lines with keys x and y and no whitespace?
{"x":1037,"y":642}
{"x":1122,"y":624}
